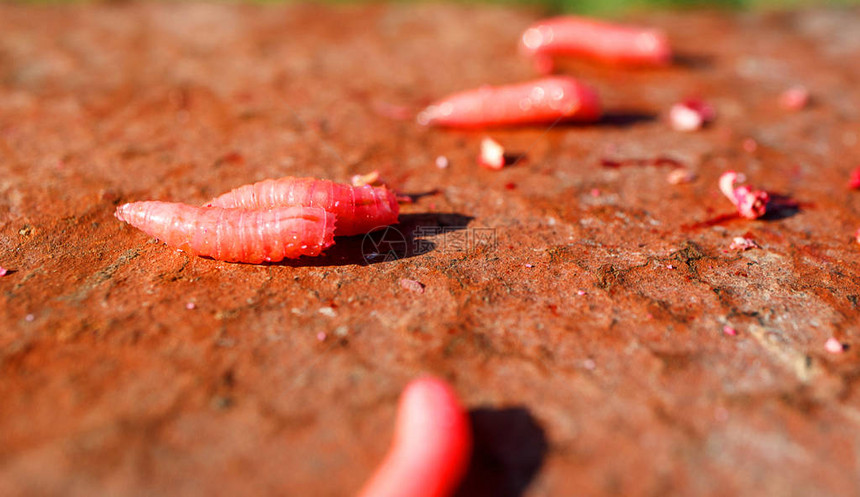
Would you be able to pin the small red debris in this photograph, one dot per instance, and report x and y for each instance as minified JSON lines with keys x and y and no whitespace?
{"x":321,"y":336}
{"x":510,"y":186}
{"x":854,"y":182}
{"x":834,"y":346}
{"x":595,"y":192}
{"x":412,"y":285}
{"x":680,"y":176}
{"x":365,"y":179}
{"x":492,"y":154}
{"x":442,"y":162}
{"x":751,"y":203}
{"x":740,"y":244}
{"x":749,"y":145}
{"x":794,"y":98}
{"x":690,"y":115}
{"x":728,"y":330}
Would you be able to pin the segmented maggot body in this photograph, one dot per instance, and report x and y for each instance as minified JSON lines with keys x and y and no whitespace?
{"x":596,"y":40}
{"x":234,"y":235}
{"x":431,"y":448}
{"x":358,"y":209}
{"x":543,"y":101}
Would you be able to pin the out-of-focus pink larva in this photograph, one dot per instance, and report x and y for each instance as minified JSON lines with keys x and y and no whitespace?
{"x":596,"y":40}
{"x":543,"y":101}
{"x":431,"y":448}
{"x":358,"y":209}
{"x":234,"y":235}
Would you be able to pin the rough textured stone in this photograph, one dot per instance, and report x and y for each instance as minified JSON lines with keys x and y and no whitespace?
{"x":586,"y":332}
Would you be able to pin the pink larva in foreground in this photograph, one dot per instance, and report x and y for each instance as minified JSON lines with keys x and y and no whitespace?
{"x":234,"y":235}
{"x":751,"y":203}
{"x":601,"y":41}
{"x":358,"y":209}
{"x":431,"y":448}
{"x":544,"y":101}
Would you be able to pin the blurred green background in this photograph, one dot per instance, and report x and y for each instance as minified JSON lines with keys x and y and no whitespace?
{"x":598,"y":7}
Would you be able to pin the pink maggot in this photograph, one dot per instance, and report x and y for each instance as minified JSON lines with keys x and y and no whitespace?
{"x":596,"y":40}
{"x":358,"y":210}
{"x":543,"y":101}
{"x":431,"y":448}
{"x":234,"y":235}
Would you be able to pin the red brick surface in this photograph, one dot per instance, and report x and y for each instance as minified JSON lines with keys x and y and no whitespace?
{"x":111,"y":385}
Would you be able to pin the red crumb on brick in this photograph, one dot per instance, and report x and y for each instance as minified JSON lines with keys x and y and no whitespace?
{"x":834,"y":346}
{"x":680,"y":176}
{"x":750,"y":202}
{"x":365,"y":179}
{"x":412,"y":285}
{"x":794,"y":98}
{"x":690,"y":115}
{"x":728,"y":330}
{"x":740,"y":244}
{"x":492,"y":154}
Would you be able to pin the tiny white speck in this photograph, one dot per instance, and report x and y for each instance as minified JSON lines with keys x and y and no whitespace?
{"x":327,"y":311}
{"x":29,"y":317}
